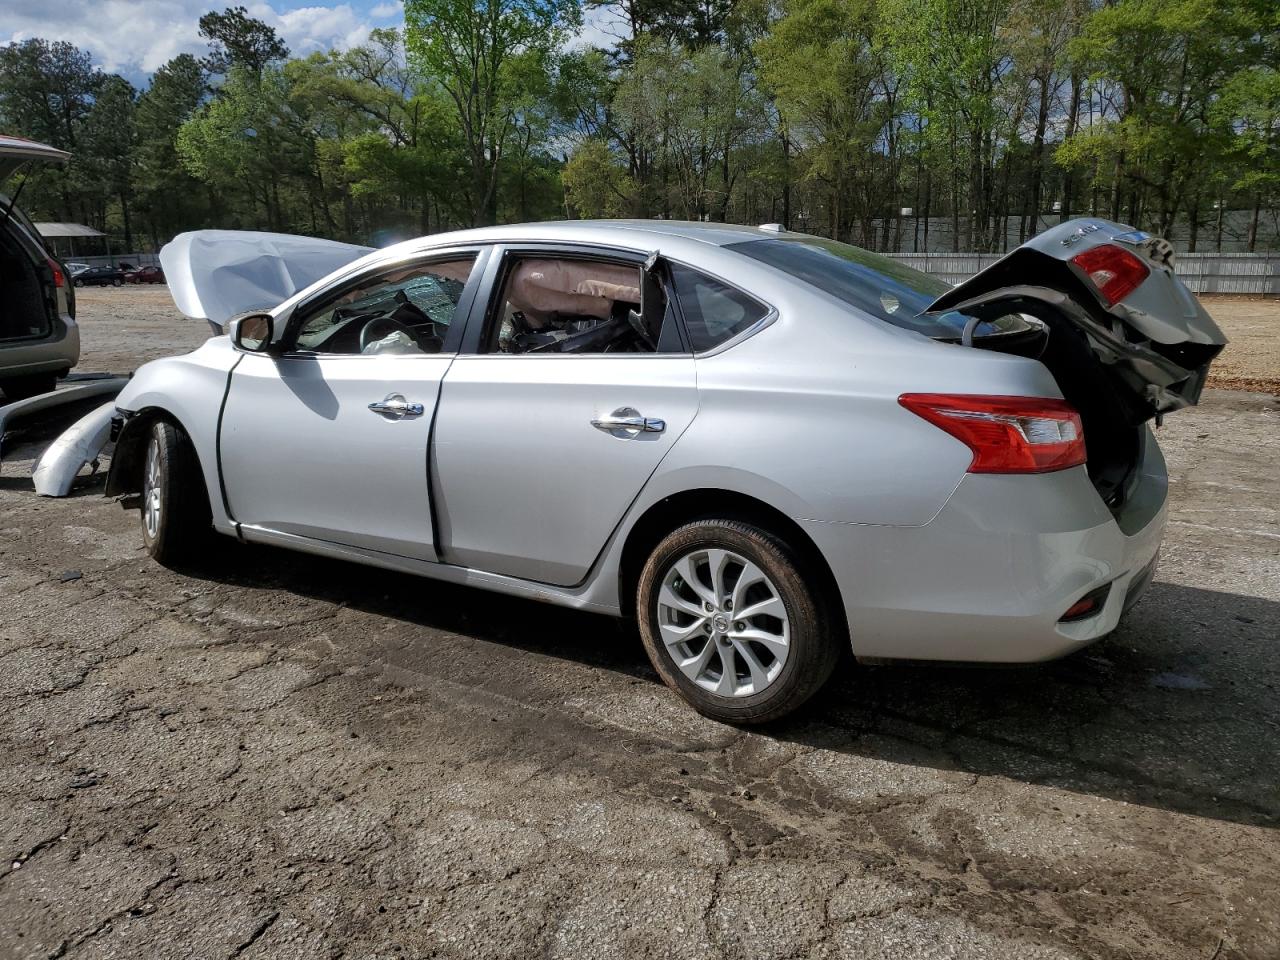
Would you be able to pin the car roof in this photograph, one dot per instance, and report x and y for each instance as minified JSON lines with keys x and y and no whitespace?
{"x":637,"y":233}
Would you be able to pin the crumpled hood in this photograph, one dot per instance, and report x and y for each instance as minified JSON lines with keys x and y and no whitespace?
{"x":215,"y":275}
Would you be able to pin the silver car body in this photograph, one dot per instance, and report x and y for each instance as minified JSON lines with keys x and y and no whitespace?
{"x":504,"y":483}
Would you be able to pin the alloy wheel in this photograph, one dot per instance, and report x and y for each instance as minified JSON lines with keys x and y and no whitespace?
{"x":723,"y":622}
{"x":152,"y":501}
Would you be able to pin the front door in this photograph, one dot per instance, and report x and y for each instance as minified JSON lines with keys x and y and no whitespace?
{"x":329,"y":439}
{"x":547,"y":433}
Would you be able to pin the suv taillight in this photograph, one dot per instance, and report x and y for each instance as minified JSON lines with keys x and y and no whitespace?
{"x":1006,"y":434}
{"x":1114,"y":271}
{"x":59,"y":280}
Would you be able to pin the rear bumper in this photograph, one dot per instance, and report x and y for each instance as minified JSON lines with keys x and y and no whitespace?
{"x":58,"y":351}
{"x":989,"y":578}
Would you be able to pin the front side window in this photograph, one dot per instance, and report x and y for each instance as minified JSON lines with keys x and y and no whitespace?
{"x":581,"y":305}
{"x":406,"y":311}
{"x":713,"y":311}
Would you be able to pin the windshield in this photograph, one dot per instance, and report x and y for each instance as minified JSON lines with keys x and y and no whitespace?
{"x":874,"y":284}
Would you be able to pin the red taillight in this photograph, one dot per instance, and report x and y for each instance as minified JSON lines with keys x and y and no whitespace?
{"x":1006,"y":434}
{"x":1114,"y":271}
{"x":58,"y":279}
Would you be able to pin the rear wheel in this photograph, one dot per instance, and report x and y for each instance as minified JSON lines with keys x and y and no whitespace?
{"x":735,"y":622}
{"x":116,"y":282}
{"x":19,"y":388}
{"x":175,"y":506}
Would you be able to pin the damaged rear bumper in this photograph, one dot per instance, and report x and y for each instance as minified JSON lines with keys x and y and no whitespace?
{"x":991,"y":577}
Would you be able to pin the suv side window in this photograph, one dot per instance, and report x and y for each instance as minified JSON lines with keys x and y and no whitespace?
{"x":713,"y":311}
{"x":405,"y":311}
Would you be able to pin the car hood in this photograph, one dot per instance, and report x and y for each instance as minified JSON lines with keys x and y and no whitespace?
{"x":15,"y":151}
{"x":1157,"y":342}
{"x":215,"y":275}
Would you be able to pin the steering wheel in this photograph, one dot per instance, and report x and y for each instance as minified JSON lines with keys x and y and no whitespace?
{"x":380,"y":327}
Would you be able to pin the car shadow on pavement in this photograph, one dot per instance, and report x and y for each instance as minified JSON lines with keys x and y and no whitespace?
{"x":1175,"y":710}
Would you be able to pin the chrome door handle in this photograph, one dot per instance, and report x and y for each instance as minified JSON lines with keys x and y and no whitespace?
{"x":395,"y":405}
{"x":629,"y":419}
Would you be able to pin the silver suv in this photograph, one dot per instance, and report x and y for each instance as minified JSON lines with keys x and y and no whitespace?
{"x":39,"y":339}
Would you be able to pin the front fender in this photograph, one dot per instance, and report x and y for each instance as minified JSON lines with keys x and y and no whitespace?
{"x":189,"y":390}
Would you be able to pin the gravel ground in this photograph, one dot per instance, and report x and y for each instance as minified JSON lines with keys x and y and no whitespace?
{"x":278,"y":756}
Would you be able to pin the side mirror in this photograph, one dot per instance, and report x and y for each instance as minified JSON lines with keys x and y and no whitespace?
{"x":252,"y":334}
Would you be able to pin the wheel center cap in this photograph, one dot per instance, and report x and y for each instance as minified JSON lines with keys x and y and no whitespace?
{"x":721,"y":623}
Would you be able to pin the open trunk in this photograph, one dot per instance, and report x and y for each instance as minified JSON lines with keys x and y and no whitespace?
{"x":28,"y":299}
{"x":1126,"y":341}
{"x":26,"y":314}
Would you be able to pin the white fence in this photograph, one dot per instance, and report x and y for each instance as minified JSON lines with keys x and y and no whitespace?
{"x":1247,"y":273}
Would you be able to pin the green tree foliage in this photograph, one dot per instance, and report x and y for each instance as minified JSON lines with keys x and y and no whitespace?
{"x":485,"y":55}
{"x":239,"y":40}
{"x":907,"y":124}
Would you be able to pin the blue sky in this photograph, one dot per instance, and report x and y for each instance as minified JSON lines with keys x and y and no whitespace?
{"x":134,"y":37}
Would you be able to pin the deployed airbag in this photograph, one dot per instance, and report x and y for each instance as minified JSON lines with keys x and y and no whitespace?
{"x":542,"y":288}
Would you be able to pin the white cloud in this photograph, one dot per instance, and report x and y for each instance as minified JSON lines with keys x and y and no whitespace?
{"x":388,"y":11}
{"x":134,"y":37}
{"x":602,"y":27}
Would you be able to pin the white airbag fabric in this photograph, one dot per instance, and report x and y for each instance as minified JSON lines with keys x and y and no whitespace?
{"x":540,"y":288}
{"x":218,"y":274}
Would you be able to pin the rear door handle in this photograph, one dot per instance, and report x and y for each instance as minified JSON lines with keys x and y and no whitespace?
{"x":397,"y":407}
{"x":629,"y":419}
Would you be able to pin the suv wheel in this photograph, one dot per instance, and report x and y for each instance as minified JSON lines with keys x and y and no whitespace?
{"x":175,"y":506}
{"x":735,"y":622}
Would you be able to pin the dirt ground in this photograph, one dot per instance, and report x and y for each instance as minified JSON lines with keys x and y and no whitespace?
{"x":277,"y":756}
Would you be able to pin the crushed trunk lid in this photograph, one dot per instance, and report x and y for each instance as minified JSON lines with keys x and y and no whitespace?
{"x":1156,"y":341}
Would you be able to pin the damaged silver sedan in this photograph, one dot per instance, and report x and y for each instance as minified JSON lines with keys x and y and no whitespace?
{"x":764,"y":446}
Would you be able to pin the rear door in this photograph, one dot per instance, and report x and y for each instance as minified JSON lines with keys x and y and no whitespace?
{"x":1117,"y":286}
{"x":538,"y":455}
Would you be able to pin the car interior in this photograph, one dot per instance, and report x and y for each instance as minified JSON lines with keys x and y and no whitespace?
{"x":578,"y":305}
{"x":405,"y":312}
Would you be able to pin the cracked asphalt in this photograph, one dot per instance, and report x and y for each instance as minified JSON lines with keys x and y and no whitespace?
{"x":279,"y":756}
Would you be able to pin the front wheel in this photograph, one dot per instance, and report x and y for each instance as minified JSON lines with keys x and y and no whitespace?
{"x":175,"y":507}
{"x":116,"y":282}
{"x":735,"y":622}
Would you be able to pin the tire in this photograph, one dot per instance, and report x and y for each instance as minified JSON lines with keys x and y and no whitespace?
{"x":176,"y":522}
{"x":117,"y":282}
{"x":784,"y":675}
{"x":78,"y":283}
{"x":19,"y":388}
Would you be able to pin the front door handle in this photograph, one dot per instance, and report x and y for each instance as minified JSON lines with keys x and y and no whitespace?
{"x":628,"y":419}
{"x":397,"y":407}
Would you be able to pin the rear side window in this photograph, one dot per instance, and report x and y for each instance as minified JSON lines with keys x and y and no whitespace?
{"x":713,"y":311}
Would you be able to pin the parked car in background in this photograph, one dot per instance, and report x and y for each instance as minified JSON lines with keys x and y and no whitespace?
{"x":74,"y":267}
{"x":144,"y":275}
{"x":39,"y":339}
{"x":100,"y":277}
{"x":765,"y":446}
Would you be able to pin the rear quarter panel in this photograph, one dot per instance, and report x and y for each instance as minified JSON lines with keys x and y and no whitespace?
{"x":805,"y":413}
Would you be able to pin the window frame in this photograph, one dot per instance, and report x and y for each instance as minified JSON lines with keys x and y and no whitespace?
{"x":318,"y":301}
{"x":770,"y":311}
{"x":483,"y":311}
{"x":481,"y":329}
